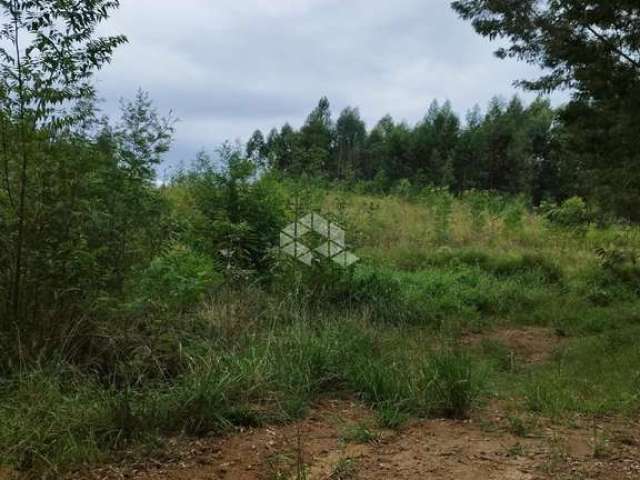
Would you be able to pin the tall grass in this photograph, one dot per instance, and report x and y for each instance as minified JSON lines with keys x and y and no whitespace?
{"x":386,"y":331}
{"x":64,"y":417}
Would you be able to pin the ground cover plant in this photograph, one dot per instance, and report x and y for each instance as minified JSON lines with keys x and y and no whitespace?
{"x":391,"y":331}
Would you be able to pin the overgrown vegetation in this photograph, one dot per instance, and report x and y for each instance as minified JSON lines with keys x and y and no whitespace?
{"x":130,"y":310}
{"x":199,"y":347}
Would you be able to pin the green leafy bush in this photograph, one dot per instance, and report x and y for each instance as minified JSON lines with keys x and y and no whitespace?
{"x":234,"y":215}
{"x":573,"y":212}
{"x":178,"y":279}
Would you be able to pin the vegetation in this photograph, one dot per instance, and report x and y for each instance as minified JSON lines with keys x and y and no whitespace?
{"x":591,"y":47}
{"x":215,"y":351}
{"x":130,"y":311}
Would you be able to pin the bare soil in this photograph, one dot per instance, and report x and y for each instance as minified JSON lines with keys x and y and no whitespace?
{"x":316,"y":448}
{"x":529,"y":344}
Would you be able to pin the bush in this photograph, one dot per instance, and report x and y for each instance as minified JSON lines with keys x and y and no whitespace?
{"x":403,"y":188}
{"x":622,"y":264}
{"x":178,"y":279}
{"x":572,"y":213}
{"x":233,"y":215}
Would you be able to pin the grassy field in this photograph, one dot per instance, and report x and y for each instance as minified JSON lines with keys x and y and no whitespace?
{"x":415,"y":330}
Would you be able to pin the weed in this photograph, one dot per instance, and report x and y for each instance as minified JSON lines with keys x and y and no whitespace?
{"x":600,"y":444}
{"x":359,"y":433}
{"x":452,"y":383}
{"x":344,"y":469}
{"x":390,"y":416}
{"x":516,"y":450}
{"x":503,"y":358}
{"x":556,"y":455}
{"x":520,"y":426}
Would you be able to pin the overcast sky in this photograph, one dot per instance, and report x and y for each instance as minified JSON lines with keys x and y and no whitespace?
{"x":227,"y":67}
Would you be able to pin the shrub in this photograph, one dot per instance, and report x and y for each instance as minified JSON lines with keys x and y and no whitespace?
{"x":403,"y":188}
{"x":178,"y":279}
{"x":622,"y":264}
{"x":573,"y":212}
{"x":233,"y":215}
{"x":441,"y":205}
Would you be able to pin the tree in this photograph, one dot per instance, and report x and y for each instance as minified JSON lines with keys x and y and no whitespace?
{"x":351,"y":135}
{"x":507,"y":156}
{"x":134,"y":146}
{"x":593,"y":48}
{"x":49,"y":53}
{"x":590,"y":45}
{"x":445,"y":126}
{"x":317,"y":140}
{"x":283,"y":149}
{"x":468,"y":168}
{"x":376,"y":161}
{"x":257,"y":149}
{"x":547,"y":181}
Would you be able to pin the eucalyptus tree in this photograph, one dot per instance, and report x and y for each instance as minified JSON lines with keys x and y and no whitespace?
{"x":591,"y":47}
{"x":317,"y":137}
{"x":257,"y":149}
{"x":49,"y":51}
{"x":351,"y":137}
{"x":129,"y":200}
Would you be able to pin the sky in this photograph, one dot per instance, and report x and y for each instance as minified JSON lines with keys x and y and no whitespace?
{"x":228,"y":67}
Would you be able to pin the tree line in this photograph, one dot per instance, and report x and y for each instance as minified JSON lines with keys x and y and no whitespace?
{"x":511,"y":148}
{"x":588,"y":147}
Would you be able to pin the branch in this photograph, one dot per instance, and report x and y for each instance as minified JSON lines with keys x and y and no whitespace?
{"x":614,"y":48}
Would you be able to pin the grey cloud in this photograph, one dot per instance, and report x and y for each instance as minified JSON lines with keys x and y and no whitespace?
{"x":229,"y":67}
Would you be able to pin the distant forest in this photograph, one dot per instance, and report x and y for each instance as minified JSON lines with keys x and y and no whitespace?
{"x":514,"y":148}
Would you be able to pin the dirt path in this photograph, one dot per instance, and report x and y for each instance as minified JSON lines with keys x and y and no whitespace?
{"x":325,"y":446}
{"x":339,"y":440}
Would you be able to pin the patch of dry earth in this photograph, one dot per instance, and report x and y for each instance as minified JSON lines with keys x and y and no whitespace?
{"x":428,"y":449}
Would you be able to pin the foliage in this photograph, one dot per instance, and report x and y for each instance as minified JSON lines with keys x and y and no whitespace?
{"x":78,"y":206}
{"x":131,"y":310}
{"x":231,"y":215}
{"x":573,"y":212}
{"x":622,"y":264}
{"x":391,"y":331}
{"x":591,"y":47}
{"x":579,"y":43}
{"x":177,"y":279}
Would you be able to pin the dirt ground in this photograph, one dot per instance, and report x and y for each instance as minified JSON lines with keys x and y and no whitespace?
{"x":339,"y":440}
{"x":321,"y":448}
{"x":527,"y":344}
